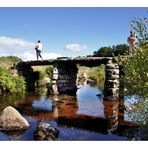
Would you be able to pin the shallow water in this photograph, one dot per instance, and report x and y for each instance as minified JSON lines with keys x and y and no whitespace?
{"x":82,"y":117}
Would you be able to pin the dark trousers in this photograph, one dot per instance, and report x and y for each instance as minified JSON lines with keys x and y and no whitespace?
{"x":38,"y":54}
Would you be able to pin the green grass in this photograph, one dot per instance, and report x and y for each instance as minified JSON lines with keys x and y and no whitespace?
{"x":44,"y":71}
{"x":95,"y":73}
{"x":39,"y":68}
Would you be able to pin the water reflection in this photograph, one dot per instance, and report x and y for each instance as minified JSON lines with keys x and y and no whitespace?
{"x":81,"y":111}
{"x":90,"y":104}
{"x":66,"y":106}
{"x":84,"y":111}
{"x":111,"y":111}
{"x":11,"y":99}
{"x":42,"y":104}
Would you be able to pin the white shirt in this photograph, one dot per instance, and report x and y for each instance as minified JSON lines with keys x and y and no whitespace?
{"x":39,"y":46}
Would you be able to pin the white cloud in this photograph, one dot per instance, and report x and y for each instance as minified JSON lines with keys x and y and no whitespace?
{"x":27,"y":56}
{"x":51,"y":55}
{"x":14,"y":44}
{"x":75,"y":47}
{"x":21,"y":48}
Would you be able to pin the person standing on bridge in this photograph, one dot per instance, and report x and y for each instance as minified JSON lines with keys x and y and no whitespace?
{"x":38,"y":48}
{"x":132,"y":40}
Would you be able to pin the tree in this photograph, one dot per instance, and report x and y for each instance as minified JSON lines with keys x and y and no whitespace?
{"x":121,"y":49}
{"x":139,"y":25}
{"x":104,"y":52}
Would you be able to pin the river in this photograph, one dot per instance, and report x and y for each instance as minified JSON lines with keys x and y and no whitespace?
{"x":82,"y":117}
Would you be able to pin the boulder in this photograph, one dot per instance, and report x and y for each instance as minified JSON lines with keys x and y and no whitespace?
{"x":11,"y":119}
{"x":44,"y":131}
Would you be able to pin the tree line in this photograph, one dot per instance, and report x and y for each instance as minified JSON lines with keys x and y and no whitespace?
{"x":109,"y":51}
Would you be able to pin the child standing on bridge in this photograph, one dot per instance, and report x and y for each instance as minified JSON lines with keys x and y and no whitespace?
{"x":38,"y":48}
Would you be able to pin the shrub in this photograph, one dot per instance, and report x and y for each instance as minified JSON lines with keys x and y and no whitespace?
{"x":49,"y":71}
{"x":135,"y":72}
{"x":10,"y":83}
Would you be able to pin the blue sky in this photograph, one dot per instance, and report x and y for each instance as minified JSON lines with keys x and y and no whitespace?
{"x":63,"y":31}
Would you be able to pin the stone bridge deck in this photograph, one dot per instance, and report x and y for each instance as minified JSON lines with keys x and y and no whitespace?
{"x":86,"y":61}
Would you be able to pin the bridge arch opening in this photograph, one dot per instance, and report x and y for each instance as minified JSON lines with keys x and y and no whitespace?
{"x":91,"y":75}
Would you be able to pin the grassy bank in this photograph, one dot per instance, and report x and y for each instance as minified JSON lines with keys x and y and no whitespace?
{"x":45,"y":74}
{"x":9,"y":80}
{"x":96,"y":74}
{"x":9,"y":62}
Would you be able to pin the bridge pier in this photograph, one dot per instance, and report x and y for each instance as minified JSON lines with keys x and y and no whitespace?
{"x":111,"y":87}
{"x":66,"y":78}
{"x":27,"y":72}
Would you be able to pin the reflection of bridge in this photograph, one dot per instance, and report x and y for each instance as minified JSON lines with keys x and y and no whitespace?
{"x":66,"y":71}
{"x":65,"y":112}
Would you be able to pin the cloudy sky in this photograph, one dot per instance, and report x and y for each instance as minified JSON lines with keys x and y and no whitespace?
{"x":63,"y":31}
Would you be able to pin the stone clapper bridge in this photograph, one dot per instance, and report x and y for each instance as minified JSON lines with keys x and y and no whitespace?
{"x":65,"y":77}
{"x":65,"y":73}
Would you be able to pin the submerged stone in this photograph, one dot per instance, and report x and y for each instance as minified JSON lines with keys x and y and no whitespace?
{"x":11,"y":119}
{"x":44,"y":131}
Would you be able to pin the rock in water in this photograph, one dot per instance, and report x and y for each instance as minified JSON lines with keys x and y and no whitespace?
{"x":11,"y":119}
{"x":44,"y":131}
